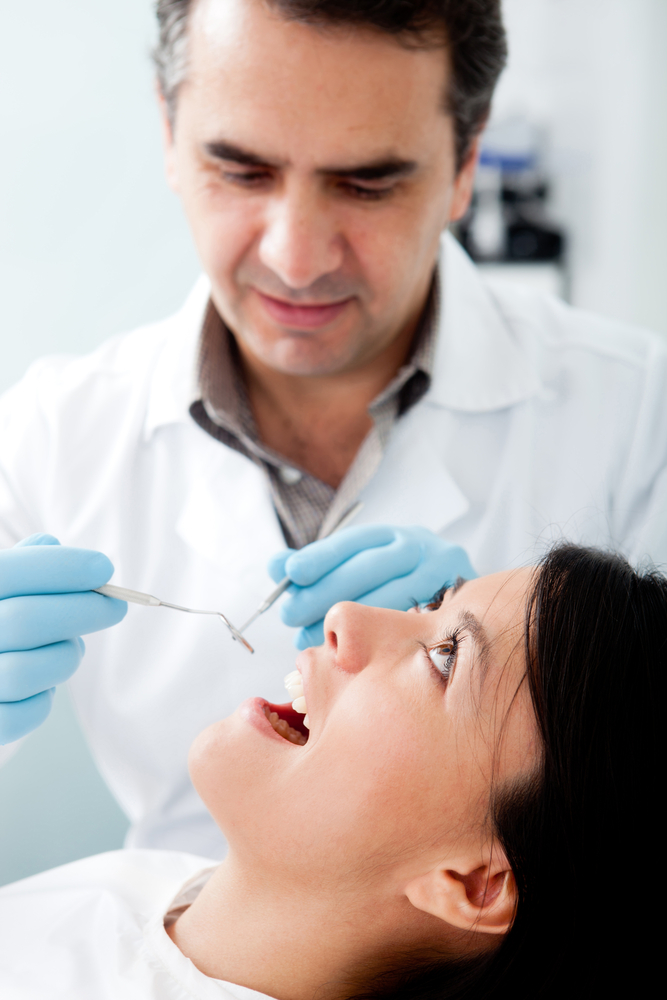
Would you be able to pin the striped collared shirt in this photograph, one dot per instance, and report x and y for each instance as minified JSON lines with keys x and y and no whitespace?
{"x":306,"y":507}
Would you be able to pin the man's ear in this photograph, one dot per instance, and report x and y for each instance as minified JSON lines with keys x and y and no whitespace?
{"x":168,"y":148}
{"x":482,"y":899}
{"x":464,"y":183}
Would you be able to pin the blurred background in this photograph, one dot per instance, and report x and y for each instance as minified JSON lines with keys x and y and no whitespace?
{"x":571,"y":196}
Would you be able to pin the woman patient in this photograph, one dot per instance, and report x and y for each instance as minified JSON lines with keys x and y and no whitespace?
{"x":469,"y":814}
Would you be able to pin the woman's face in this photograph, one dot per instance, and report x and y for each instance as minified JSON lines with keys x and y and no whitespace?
{"x":411,"y":716}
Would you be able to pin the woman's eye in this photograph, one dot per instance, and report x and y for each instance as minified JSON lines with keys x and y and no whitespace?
{"x":443,"y":657}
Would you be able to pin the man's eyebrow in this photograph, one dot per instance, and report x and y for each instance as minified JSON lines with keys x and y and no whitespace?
{"x":391,"y":166}
{"x":376,"y":170}
{"x":222,"y":150}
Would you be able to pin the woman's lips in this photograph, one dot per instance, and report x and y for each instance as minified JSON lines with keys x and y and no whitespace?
{"x":302,"y":317}
{"x":253,"y":711}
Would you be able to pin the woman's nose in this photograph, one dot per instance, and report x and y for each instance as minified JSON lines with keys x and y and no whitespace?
{"x":355,"y":634}
{"x":300,"y":242}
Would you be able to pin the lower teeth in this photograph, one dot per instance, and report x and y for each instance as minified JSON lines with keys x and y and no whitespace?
{"x":284,"y":729}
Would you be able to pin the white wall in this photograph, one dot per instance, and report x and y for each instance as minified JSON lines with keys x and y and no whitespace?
{"x":91,"y":240}
{"x":593,"y":72}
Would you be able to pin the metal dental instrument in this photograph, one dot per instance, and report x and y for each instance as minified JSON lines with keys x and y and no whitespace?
{"x":284,"y":583}
{"x":135,"y":597}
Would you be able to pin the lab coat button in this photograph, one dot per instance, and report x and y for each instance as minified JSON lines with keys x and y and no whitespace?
{"x":289,"y":475}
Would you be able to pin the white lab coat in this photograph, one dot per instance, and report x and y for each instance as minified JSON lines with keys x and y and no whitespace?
{"x":94,"y":930}
{"x":542,"y":422}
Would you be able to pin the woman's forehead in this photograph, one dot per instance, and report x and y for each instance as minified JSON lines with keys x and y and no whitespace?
{"x":497,"y":598}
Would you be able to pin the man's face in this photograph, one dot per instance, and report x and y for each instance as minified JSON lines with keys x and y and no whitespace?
{"x":317,"y":170}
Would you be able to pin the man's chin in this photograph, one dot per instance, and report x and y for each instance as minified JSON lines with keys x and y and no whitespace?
{"x":312,"y":353}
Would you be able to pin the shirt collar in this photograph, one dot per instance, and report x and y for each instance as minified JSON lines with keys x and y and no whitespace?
{"x":221,"y":388}
{"x":421,"y":358}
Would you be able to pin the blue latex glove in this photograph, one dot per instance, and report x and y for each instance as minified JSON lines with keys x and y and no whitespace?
{"x":375,"y":564}
{"x":46,"y":604}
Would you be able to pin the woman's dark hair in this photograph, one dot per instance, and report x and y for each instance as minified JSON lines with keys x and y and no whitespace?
{"x":581,"y":834}
{"x":471,"y":30}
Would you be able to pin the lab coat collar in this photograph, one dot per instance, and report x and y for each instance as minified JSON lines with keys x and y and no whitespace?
{"x":174,"y":381}
{"x":480,"y":363}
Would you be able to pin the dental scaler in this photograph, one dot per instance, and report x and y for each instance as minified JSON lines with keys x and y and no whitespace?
{"x":135,"y":597}
{"x":285,"y":582}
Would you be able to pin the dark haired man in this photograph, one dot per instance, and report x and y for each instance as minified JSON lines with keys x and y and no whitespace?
{"x":344,"y":351}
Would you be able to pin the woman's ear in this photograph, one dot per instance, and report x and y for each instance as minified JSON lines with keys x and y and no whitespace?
{"x":482,"y":899}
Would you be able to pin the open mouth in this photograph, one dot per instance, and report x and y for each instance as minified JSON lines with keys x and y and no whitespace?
{"x":287,"y":723}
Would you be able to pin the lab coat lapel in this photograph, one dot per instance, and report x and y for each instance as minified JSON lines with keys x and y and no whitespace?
{"x":481,"y":363}
{"x":413,"y":485}
{"x":173,"y":384}
{"x":228,"y":516}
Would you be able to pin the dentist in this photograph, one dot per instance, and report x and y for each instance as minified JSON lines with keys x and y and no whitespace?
{"x":338,"y":348}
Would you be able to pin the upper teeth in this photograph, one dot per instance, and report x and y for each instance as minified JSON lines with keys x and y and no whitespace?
{"x":294,"y":685}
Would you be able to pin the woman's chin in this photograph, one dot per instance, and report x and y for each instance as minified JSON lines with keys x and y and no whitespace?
{"x":235,"y":762}
{"x":208,"y":749}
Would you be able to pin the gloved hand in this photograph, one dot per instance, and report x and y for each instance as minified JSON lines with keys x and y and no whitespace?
{"x":46,"y":604}
{"x":375,"y":564}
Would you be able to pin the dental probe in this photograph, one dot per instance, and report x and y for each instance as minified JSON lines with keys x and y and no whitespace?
{"x":135,"y":597}
{"x":284,"y":583}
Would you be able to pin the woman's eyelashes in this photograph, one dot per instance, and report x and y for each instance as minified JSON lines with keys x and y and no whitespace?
{"x":442,"y":656}
{"x":421,"y":607}
{"x":434,"y":603}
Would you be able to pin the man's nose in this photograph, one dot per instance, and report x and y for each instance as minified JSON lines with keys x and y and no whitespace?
{"x":300,"y":242}
{"x":356,"y":635}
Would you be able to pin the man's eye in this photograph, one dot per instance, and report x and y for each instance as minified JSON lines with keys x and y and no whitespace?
{"x":365,"y":193}
{"x":249,"y":178}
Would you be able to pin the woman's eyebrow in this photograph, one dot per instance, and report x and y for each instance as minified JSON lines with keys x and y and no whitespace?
{"x":480,"y":637}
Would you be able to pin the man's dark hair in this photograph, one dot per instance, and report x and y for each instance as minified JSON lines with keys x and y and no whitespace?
{"x":471,"y":30}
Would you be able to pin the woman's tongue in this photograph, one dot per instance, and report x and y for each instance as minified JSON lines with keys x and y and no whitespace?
{"x":283,"y":728}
